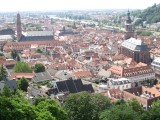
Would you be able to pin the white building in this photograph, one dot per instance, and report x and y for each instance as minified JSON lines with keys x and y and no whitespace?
{"x":121,"y":83}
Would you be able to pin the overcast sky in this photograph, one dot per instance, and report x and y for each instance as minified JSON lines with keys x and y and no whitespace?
{"x":39,"y":5}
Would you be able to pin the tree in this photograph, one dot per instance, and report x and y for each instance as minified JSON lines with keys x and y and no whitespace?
{"x":39,"y":68}
{"x":18,"y":58}
{"x":53,"y":108}
{"x":23,"y":84}
{"x":14,"y":54}
{"x":22,"y":67}
{"x":146,"y":33}
{"x":85,"y":106}
{"x":16,"y":109}
{"x":136,"y":106}
{"x":3,"y":73}
{"x":120,"y":112}
{"x":39,"y":51}
{"x":6,"y":92}
{"x":153,"y":113}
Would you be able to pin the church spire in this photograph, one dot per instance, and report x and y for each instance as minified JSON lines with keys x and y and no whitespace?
{"x":129,"y":21}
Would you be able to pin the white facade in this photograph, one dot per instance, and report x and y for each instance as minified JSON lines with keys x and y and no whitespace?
{"x":121,"y":83}
{"x":142,"y":78}
{"x":156,"y":65}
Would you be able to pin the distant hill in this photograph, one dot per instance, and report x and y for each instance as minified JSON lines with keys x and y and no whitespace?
{"x":151,"y":14}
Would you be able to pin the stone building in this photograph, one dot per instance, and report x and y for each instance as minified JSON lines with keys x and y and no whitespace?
{"x":135,"y":49}
{"x":128,"y":27}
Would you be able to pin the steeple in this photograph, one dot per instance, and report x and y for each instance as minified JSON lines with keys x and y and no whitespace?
{"x":128,"y":27}
{"x":19,"y":29}
{"x":129,"y":21}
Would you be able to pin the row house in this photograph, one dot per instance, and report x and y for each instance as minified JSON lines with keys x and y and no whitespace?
{"x":138,"y":74}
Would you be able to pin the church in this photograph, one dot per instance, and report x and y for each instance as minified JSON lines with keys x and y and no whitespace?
{"x":132,"y":47}
{"x":32,"y":35}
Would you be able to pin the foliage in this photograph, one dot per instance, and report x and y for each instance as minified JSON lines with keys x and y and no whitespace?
{"x":39,"y":99}
{"x":22,"y":67}
{"x":85,"y":106}
{"x":119,"y":112}
{"x":23,"y":84}
{"x":39,"y":51}
{"x":53,"y":108}
{"x":136,"y":106}
{"x":18,"y":58}
{"x":146,"y":33}
{"x":17,"y":108}
{"x":6,"y":92}
{"x":153,"y":113}
{"x":3,"y":73}
{"x":39,"y":68}
{"x":151,"y":14}
{"x":14,"y":54}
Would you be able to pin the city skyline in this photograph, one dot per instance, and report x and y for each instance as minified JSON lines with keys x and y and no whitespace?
{"x":49,"y":5}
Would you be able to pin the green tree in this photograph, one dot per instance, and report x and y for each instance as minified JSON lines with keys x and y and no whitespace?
{"x":23,"y":84}
{"x":53,"y":108}
{"x":6,"y":92}
{"x":136,"y":106}
{"x":120,"y":112}
{"x":85,"y":106}
{"x":153,"y":113}
{"x":22,"y":67}
{"x":39,"y":68}
{"x":39,"y":51}
{"x":18,"y":58}
{"x":146,"y":33}
{"x":3,"y":73}
{"x":16,"y":109}
{"x":14,"y":54}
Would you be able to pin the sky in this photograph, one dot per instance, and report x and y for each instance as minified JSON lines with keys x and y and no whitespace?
{"x":41,"y":5}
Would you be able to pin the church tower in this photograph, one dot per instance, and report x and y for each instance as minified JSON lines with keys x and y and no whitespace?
{"x":19,"y":29}
{"x":128,"y":27}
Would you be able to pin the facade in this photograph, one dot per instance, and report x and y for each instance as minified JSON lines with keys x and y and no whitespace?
{"x":156,"y":65}
{"x":120,"y":83}
{"x":128,"y":27}
{"x":20,"y":46}
{"x":32,"y":35}
{"x":144,"y":95}
{"x":138,"y":74}
{"x":135,"y":49}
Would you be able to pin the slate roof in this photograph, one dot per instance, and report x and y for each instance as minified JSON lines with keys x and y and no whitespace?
{"x":39,"y":33}
{"x":71,"y":86}
{"x":135,"y":45}
{"x":35,"y":38}
{"x":11,"y":84}
{"x":42,"y":76}
{"x":7,"y":31}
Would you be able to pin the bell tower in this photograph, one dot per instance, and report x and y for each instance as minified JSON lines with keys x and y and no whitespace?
{"x":19,"y":29}
{"x":128,"y":27}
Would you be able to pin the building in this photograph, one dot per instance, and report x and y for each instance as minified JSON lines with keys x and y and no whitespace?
{"x":20,"y":46}
{"x":128,"y":27}
{"x":139,"y":74}
{"x":32,"y":35}
{"x":19,"y":28}
{"x":12,"y":85}
{"x":144,"y":95}
{"x":156,"y":65}
{"x":71,"y":86}
{"x":136,"y":49}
